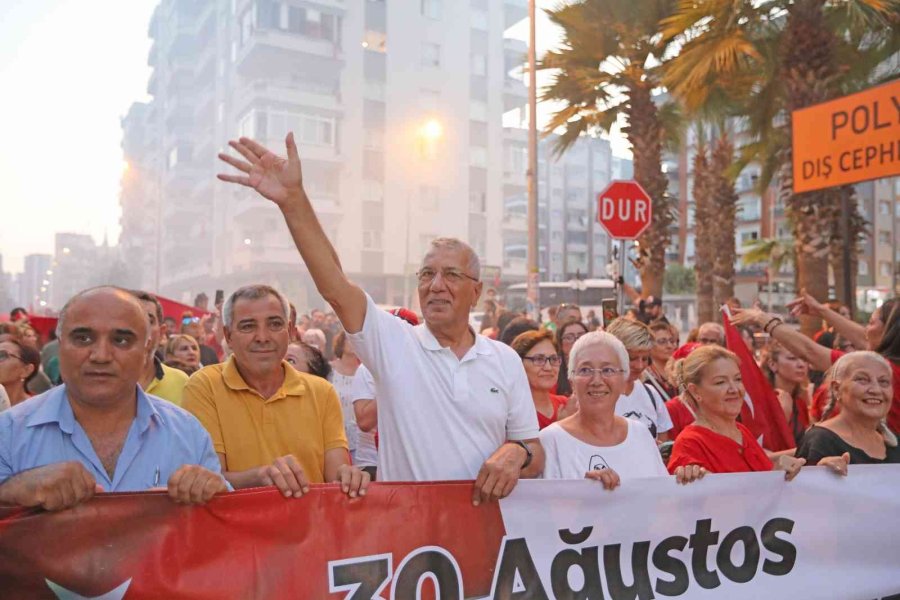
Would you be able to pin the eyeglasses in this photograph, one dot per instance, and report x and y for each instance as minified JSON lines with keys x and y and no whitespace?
{"x":571,"y":337}
{"x":604,"y":372}
{"x":451,"y":276}
{"x":189,"y":320}
{"x":4,"y":355}
{"x":705,"y":340}
{"x":666,"y":342}
{"x":539,"y":360}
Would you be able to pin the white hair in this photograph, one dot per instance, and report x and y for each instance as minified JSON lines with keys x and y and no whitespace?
{"x":314,"y":337}
{"x":253,"y":292}
{"x":473,"y":264}
{"x":839,"y":371}
{"x":598,"y":338}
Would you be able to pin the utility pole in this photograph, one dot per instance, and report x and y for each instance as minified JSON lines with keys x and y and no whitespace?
{"x":533,"y":269}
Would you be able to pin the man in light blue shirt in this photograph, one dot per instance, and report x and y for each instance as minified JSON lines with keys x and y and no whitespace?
{"x":100,"y":431}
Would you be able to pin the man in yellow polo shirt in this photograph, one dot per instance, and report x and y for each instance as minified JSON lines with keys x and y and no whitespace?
{"x":158,"y":379}
{"x":270,"y":425}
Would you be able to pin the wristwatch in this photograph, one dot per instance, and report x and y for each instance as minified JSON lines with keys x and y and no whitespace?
{"x":528,"y":452}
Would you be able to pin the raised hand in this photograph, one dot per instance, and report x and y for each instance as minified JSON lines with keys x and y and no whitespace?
{"x":806,"y":305}
{"x":278,"y":179}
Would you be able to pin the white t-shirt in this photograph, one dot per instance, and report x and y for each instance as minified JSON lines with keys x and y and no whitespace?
{"x":343,"y":385}
{"x":364,"y":389}
{"x":440,"y":417}
{"x":639,"y":406}
{"x":567,"y":457}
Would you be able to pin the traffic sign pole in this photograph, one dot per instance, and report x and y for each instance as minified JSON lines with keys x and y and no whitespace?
{"x":620,"y":286}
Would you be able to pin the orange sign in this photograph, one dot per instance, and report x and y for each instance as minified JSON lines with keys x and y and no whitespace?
{"x":854,"y":138}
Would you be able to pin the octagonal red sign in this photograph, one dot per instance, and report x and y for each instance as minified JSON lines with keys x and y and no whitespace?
{"x":624,"y":209}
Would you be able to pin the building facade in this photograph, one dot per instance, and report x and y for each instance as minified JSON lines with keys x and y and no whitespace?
{"x":397,"y":111}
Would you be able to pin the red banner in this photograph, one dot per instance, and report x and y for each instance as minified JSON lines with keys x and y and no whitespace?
{"x":251,"y":544}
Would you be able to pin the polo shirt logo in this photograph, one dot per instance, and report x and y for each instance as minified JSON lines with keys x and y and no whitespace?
{"x":495,"y":390}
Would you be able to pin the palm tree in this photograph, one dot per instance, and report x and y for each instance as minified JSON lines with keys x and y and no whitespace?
{"x":704,"y":250}
{"x":724,"y":200}
{"x":607,"y":68}
{"x":773,"y":253}
{"x":780,"y":56}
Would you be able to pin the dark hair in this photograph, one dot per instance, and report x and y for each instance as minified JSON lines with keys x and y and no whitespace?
{"x":29,"y":356}
{"x":16,"y":311}
{"x":889,"y":347}
{"x":316,"y":362}
{"x":148,"y":297}
{"x":517,"y":326}
{"x":524,"y":342}
{"x":504,"y":319}
{"x":337,"y":345}
{"x":561,"y":331}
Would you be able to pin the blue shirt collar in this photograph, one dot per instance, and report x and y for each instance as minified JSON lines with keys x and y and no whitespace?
{"x":56,"y":409}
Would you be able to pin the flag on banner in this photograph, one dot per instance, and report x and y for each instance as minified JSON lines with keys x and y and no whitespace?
{"x":763,"y":415}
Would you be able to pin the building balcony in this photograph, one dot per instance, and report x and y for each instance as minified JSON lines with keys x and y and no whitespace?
{"x":262,"y":93}
{"x":515,"y":51}
{"x":515,"y":222}
{"x":269,"y":53}
{"x":515,"y":93}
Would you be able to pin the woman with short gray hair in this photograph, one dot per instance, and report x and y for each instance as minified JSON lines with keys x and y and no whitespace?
{"x":595,"y":443}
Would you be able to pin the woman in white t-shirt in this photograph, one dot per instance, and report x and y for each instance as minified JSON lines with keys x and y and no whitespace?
{"x":344,"y":367}
{"x":595,"y":443}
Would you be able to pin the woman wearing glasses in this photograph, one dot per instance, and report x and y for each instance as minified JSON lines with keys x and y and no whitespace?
{"x":19,"y":364}
{"x":566,"y":336}
{"x":665,"y":341}
{"x":541,"y":362}
{"x":595,"y":443}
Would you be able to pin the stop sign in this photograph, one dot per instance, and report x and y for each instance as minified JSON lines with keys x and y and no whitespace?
{"x":624,"y":209}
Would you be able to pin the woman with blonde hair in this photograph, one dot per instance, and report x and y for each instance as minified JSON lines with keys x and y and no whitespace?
{"x":710,"y":383}
{"x":183,"y":353}
{"x":861,"y":385}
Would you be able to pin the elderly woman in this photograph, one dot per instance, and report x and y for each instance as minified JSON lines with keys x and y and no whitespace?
{"x":541,"y":361}
{"x":789,"y":376}
{"x":595,"y":443}
{"x":566,"y":336}
{"x":183,"y":352}
{"x":19,"y":365}
{"x":710,"y":383}
{"x":861,"y":385}
{"x":639,"y":401}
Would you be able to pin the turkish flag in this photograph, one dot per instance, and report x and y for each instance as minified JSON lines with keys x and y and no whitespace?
{"x":175,"y":309}
{"x":251,"y":544}
{"x":765,"y":418}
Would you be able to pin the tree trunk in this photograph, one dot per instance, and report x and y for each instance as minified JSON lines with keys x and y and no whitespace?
{"x":807,"y":65}
{"x":858,"y":232}
{"x":724,"y":208}
{"x":645,"y":133}
{"x":704,"y":237}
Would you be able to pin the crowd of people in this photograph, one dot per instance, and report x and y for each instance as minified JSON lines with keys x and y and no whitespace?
{"x":254,"y":395}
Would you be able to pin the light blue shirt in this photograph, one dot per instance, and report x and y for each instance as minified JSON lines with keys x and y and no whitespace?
{"x":162,"y":438}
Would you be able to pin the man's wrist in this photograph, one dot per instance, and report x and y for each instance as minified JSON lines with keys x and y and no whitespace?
{"x":529,"y":455}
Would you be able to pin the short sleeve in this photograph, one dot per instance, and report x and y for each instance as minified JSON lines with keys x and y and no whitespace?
{"x":547,"y":438}
{"x":199,"y":401}
{"x":378,"y":342}
{"x":6,"y":468}
{"x":648,"y":445}
{"x":363,"y":387}
{"x":816,"y":445}
{"x":521,"y":419}
{"x":663,"y":419}
{"x":333,"y":434}
{"x":687,"y":451}
{"x":835,"y":355}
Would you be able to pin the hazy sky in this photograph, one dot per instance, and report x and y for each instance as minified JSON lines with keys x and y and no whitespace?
{"x":69,"y":70}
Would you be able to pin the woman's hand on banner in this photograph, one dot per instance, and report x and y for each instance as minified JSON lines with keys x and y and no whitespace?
{"x":689,"y":473}
{"x":838,"y":464}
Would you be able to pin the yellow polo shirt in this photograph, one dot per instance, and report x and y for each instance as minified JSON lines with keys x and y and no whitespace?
{"x":302,"y":418}
{"x":168,"y":384}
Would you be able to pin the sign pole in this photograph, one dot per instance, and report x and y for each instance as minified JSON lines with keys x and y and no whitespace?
{"x":533,"y":267}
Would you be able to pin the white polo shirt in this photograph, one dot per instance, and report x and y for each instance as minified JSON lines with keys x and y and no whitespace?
{"x":439,"y":417}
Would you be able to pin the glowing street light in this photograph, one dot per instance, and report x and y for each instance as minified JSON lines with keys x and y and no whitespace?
{"x":432,"y":130}
{"x":66,"y":251}
{"x":247,"y":241}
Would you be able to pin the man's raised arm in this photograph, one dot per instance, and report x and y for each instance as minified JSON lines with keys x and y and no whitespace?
{"x":281,"y":181}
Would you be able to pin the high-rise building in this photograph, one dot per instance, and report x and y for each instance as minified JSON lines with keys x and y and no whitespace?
{"x":397,"y":111}
{"x":34,"y":285}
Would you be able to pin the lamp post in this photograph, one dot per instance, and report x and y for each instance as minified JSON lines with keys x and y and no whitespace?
{"x":533,"y":269}
{"x":427,"y":136}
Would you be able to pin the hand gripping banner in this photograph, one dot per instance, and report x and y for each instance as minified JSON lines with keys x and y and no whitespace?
{"x":746,"y":536}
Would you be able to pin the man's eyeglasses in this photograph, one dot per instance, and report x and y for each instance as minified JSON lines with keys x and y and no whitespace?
{"x":5,"y":355}
{"x":571,"y":337}
{"x":539,"y":360}
{"x":604,"y":372}
{"x":451,"y":276}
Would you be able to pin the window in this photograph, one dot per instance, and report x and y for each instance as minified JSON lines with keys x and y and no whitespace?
{"x":173,"y":157}
{"x":314,"y":130}
{"x":376,"y":41}
{"x":477,"y":201}
{"x":220,"y":112}
{"x":884,"y":208}
{"x":884,"y":237}
{"x":371,"y":240}
{"x":479,"y":19}
{"x":478,"y":156}
{"x":431,"y":9}
{"x":863,"y":267}
{"x":246,"y":26}
{"x":478,"y":110}
{"x":431,"y":55}
{"x":479,"y":65}
{"x":373,"y":138}
{"x":749,"y":236}
{"x":884,"y":268}
{"x":372,"y":191}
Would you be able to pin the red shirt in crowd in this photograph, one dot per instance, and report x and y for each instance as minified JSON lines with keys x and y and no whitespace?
{"x":680,"y":414}
{"x":893,"y":418}
{"x":718,"y":453}
{"x":557,"y":402}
